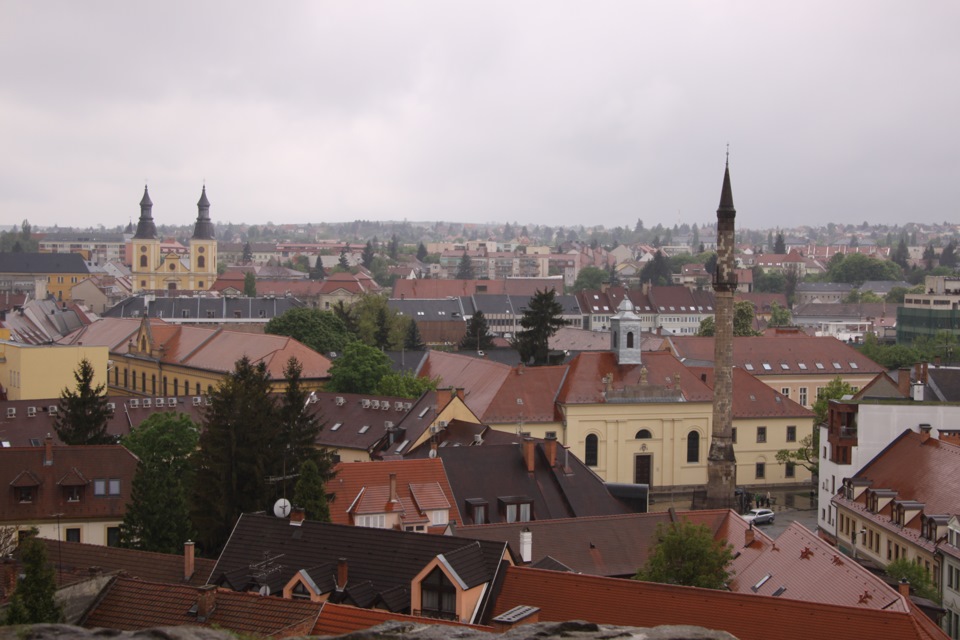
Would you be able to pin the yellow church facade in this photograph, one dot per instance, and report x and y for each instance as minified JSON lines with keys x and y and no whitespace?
{"x":155,"y":266}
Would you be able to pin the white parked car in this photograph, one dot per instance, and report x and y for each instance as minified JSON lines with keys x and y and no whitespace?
{"x":759,"y":516}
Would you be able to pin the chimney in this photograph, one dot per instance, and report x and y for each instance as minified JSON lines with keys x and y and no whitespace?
{"x":341,"y":574}
{"x":297,"y":516}
{"x":903,"y":381}
{"x":188,"y":562}
{"x":924,"y":373}
{"x":393,"y":487}
{"x":444,"y":396}
{"x":48,"y":451}
{"x":460,"y":393}
{"x":749,"y":535}
{"x":550,"y":447}
{"x":206,"y":602}
{"x":904,"y":588}
{"x":528,"y":451}
{"x":526,"y":545}
{"x":924,"y":433}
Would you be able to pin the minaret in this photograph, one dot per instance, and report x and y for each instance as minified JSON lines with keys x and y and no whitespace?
{"x":721,"y":462}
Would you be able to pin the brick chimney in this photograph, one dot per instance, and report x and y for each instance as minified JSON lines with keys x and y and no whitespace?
{"x":903,"y":381}
{"x":904,"y":588}
{"x":206,"y":602}
{"x":460,"y":393}
{"x":48,"y":451}
{"x":393,"y":487}
{"x":188,"y":560}
{"x":297,"y":516}
{"x":924,"y":433}
{"x":528,"y":457}
{"x":341,"y":574}
{"x":444,"y":396}
{"x":749,"y":536}
{"x":10,"y":576}
{"x":550,"y":447}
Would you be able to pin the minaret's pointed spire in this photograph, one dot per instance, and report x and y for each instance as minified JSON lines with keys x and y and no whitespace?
{"x":146,"y":229}
{"x":726,"y":193}
{"x":203,"y":229}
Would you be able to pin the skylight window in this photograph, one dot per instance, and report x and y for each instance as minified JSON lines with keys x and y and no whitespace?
{"x":748,"y":366}
{"x":820,"y":365}
{"x":802,"y":365}
{"x":336,"y":426}
{"x":767,"y":367}
{"x":853,"y":365}
{"x":364,"y":428}
{"x":784,"y":366}
{"x":836,"y":365}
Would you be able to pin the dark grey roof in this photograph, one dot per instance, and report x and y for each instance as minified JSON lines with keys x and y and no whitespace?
{"x":825,"y":286}
{"x":203,"y":229}
{"x":425,"y":310}
{"x":945,"y":383}
{"x":883,"y":287}
{"x":187,"y":309}
{"x":146,"y":228}
{"x":468,"y":563}
{"x":387,"y":558}
{"x":42,"y":263}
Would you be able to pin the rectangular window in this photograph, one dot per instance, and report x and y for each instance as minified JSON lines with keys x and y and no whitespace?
{"x":785,"y":391}
{"x":100,"y":487}
{"x":790,"y":471}
{"x":25,"y":494}
{"x":376,"y":521}
{"x":734,"y":432}
{"x":114,"y":486}
{"x":761,"y":470}
{"x":72,"y":535}
{"x":761,"y":434}
{"x":113,"y":536}
{"x":803,"y":396}
{"x":791,"y":434}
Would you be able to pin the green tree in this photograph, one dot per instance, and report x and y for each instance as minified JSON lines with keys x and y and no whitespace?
{"x":590,"y":279}
{"x":296,"y":443}
{"x":33,"y":601}
{"x":317,"y":272}
{"x":231,"y":465}
{"x":366,"y":258}
{"x":542,"y":318}
{"x":805,"y":455}
{"x":856,"y":268}
{"x":918,"y":577}
{"x":465,"y":268}
{"x":477,"y":337}
{"x":948,"y":257}
{"x":250,"y":284}
{"x":83,"y":414}
{"x":405,"y":385}
{"x":393,"y":249}
{"x":158,"y":514}
{"x":657,"y":271}
{"x":744,"y":317}
{"x":358,"y":370}
{"x":247,"y":256}
{"x":310,"y":493}
{"x":901,"y":254}
{"x":687,"y":554}
{"x":834,"y":390}
{"x":779,"y":245}
{"x":779,"y":316}
{"x":344,"y":261}
{"x":707,"y":328}
{"x":412,"y":341}
{"x":377,"y":324}
{"x":421,"y":252}
{"x":322,"y":331}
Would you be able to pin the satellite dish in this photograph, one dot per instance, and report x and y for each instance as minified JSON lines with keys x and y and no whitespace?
{"x":281,"y":508}
{"x":265,"y":590}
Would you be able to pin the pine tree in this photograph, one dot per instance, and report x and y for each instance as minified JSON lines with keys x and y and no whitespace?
{"x":158,"y":514}
{"x":780,"y":245}
{"x":421,"y":252}
{"x":247,"y":256}
{"x":250,"y":284}
{"x":393,"y":249}
{"x":542,"y":318}
{"x":310,"y":493}
{"x":948,"y":257}
{"x":477,"y":337}
{"x":344,"y":262}
{"x":367,"y":256}
{"x":412,"y":341}
{"x":465,"y":268}
{"x":230,"y":467}
{"x":317,"y":272}
{"x":33,"y":600}
{"x":300,"y":428}
{"x":83,"y":414}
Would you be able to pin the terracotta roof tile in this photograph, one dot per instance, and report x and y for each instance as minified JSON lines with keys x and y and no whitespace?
{"x":567,"y":596}
{"x":663,"y":372}
{"x":754,"y":399}
{"x":129,"y":604}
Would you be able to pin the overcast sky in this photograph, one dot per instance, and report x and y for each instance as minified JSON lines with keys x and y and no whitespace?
{"x":550,"y":112}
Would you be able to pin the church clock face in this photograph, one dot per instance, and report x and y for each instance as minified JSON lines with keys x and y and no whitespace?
{"x":201,"y":249}
{"x":143,"y":249}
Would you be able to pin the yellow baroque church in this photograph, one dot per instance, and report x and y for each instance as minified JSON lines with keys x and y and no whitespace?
{"x":155,"y":267}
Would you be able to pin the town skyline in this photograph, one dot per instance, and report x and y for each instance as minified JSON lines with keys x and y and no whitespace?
{"x":527,"y":113}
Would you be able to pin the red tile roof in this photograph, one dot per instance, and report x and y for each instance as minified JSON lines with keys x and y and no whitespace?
{"x":340,"y":619}
{"x":775,"y":355}
{"x":437,"y":288}
{"x":422,"y":485}
{"x":24,"y":466}
{"x":567,"y":596}
{"x":584,"y":382}
{"x":144,"y":565}
{"x":128,"y":605}
{"x":203,"y":348}
{"x":480,"y":377}
{"x":754,"y":399}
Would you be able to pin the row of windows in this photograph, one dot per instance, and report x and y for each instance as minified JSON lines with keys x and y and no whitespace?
{"x":791,"y":435}
{"x":73,"y":279}
{"x":201,"y":264}
{"x":165,"y":387}
{"x":102,"y":487}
